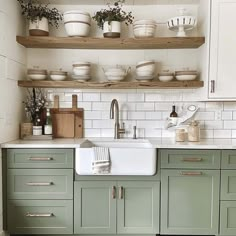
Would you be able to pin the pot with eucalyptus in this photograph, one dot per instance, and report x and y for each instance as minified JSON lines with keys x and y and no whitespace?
{"x":110,"y":19}
{"x":39,"y":16}
{"x":35,"y":105}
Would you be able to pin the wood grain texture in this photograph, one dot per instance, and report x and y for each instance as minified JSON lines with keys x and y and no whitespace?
{"x":108,"y":43}
{"x":111,"y":85}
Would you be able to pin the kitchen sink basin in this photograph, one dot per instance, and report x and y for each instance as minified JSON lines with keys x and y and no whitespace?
{"x":128,"y":157}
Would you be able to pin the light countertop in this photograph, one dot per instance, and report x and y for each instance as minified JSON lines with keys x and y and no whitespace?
{"x":154,"y":142}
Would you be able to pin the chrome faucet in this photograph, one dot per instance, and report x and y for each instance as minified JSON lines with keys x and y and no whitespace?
{"x":115,"y":109}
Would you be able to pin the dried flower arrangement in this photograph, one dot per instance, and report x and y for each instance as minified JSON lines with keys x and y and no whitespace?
{"x":35,"y":101}
{"x":113,"y":14}
{"x":33,"y":9}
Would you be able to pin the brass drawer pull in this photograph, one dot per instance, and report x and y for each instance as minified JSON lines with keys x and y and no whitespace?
{"x":28,"y":214}
{"x":113,"y":192}
{"x":40,"y":158}
{"x":121,"y":192}
{"x":39,"y":184}
{"x":191,"y":173}
{"x":192,"y":159}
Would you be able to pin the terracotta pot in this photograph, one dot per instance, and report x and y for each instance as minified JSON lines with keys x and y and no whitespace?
{"x":39,"y":27}
{"x":112,"y":29}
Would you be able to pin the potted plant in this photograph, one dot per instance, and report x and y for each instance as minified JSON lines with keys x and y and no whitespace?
{"x":110,"y":19}
{"x":39,"y":16}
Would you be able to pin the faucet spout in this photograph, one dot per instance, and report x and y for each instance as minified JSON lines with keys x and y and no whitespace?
{"x":114,"y":112}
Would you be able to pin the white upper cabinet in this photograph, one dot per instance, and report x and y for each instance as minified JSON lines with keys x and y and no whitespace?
{"x":222,"y":77}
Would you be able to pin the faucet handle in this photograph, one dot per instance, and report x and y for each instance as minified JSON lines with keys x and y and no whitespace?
{"x":122,"y":128}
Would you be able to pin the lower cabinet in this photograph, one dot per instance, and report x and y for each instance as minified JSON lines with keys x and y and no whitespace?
{"x":190,"y":201}
{"x":122,"y":207}
{"x":40,"y":216}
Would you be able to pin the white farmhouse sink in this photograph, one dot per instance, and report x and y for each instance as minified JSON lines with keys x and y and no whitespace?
{"x":128,"y":157}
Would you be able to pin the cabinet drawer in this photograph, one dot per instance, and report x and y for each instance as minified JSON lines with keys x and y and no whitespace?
{"x":40,"y":158}
{"x":40,"y":217}
{"x":40,"y":184}
{"x":228,"y":218}
{"x":191,"y":159}
{"x":228,"y":185}
{"x":228,"y":159}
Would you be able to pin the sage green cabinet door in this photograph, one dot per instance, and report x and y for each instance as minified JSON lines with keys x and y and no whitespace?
{"x":190,"y":202}
{"x":40,"y":217}
{"x":190,"y":159}
{"x":40,"y":158}
{"x":228,"y":159}
{"x":40,"y":184}
{"x":228,"y":185}
{"x":138,"y":207}
{"x":228,"y":218}
{"x":95,"y":207}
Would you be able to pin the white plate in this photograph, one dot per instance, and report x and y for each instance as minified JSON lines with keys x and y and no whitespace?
{"x":81,"y":77}
{"x":186,"y":77}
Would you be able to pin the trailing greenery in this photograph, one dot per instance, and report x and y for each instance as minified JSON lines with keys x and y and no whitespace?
{"x":114,"y":13}
{"x":33,"y":9}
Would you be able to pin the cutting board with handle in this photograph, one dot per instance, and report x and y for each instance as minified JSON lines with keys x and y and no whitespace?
{"x":67,"y":122}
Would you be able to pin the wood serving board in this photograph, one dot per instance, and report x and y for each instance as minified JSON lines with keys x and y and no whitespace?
{"x":67,"y":122}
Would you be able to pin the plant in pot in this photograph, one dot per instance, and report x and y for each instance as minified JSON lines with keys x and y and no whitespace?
{"x":39,"y":16}
{"x":110,"y":19}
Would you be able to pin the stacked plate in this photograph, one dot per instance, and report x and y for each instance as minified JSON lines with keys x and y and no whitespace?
{"x":77,"y":23}
{"x":186,"y":75}
{"x":144,"y":28}
{"x":145,"y":70}
{"x":165,"y":76}
{"x":81,"y":71}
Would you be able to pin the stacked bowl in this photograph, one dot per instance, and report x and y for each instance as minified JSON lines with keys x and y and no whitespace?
{"x":77,"y":23}
{"x":145,"y":70}
{"x":144,"y":28}
{"x":81,"y":71}
{"x":37,"y":74}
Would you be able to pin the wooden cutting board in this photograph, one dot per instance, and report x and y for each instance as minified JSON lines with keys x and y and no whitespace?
{"x":67,"y":122}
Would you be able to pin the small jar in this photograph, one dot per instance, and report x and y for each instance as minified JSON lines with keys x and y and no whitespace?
{"x":194,"y":131}
{"x":37,"y":130}
{"x":180,"y":135}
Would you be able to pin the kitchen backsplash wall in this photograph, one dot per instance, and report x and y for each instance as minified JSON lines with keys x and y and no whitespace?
{"x":147,"y":109}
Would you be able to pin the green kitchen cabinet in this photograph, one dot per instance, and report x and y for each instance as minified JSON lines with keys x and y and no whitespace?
{"x":116,"y":207}
{"x":40,"y":216}
{"x":190,"y":201}
{"x":228,"y":160}
{"x":228,"y":218}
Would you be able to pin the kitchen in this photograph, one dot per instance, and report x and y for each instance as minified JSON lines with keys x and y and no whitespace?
{"x":146,"y":109}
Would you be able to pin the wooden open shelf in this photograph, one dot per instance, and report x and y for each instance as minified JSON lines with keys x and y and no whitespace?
{"x":110,"y":85}
{"x":108,"y":43}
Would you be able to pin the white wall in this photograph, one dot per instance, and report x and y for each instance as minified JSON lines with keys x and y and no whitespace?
{"x":12,"y":68}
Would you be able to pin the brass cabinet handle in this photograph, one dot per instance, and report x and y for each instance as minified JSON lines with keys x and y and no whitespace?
{"x":28,"y":214}
{"x":191,"y":173}
{"x":121,"y":192}
{"x":192,"y":159}
{"x":39,"y":184}
{"x":113,"y":192}
{"x":40,"y":158}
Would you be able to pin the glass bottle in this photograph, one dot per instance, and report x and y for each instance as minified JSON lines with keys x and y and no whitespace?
{"x":37,"y":127}
{"x":173,"y":113}
{"x":48,"y":123}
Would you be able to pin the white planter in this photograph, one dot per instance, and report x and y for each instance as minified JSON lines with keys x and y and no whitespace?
{"x":39,"y":27}
{"x":111,"y":30}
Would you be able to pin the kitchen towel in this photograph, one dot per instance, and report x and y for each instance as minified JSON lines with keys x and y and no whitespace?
{"x":101,"y":163}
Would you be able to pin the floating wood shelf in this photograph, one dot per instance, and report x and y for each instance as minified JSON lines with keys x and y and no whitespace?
{"x":107,"y":43}
{"x":110,"y":85}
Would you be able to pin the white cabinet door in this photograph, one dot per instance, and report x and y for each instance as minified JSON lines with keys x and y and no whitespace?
{"x":222,"y":79}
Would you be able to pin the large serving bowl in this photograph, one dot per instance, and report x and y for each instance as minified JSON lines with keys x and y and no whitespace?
{"x":37,"y":74}
{"x":116,"y":74}
{"x":77,"y":23}
{"x":148,"y":65}
{"x":144,"y":28}
{"x":81,"y":68}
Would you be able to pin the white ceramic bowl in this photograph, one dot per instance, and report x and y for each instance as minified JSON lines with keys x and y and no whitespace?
{"x":37,"y":74}
{"x":144,"y":32}
{"x":81,"y":77}
{"x":146,"y":66}
{"x":76,"y":15}
{"x":144,"y":73}
{"x":81,"y":71}
{"x":115,"y":72}
{"x":145,"y":22}
{"x":58,"y":75}
{"x":77,"y":28}
{"x":165,"y":76}
{"x":115,"y":77}
{"x":186,"y":77}
{"x":144,"y":78}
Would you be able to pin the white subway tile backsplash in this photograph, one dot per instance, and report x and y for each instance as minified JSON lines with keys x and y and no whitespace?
{"x":109,"y":96}
{"x":92,"y":133}
{"x":214,"y":124}
{"x":147,"y":106}
{"x":222,"y":133}
{"x":205,"y":116}
{"x":153,"y":133}
{"x":233,"y":133}
{"x":204,"y":134}
{"x":100,"y":106}
{"x":86,"y":105}
{"x":229,"y":124}
{"x":91,"y":97}
{"x":134,"y":97}
{"x":87,"y":124}
{"x":213,"y":106}
{"x":107,"y":132}
{"x":164,"y":106}
{"x":136,"y":115}
{"x":100,"y":124}
{"x":229,"y":106}
{"x":150,"y":124}
{"x":92,"y":115}
{"x":226,"y":115}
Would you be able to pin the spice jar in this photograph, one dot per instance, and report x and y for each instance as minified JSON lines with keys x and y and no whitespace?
{"x":194,"y":131}
{"x":180,"y":135}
